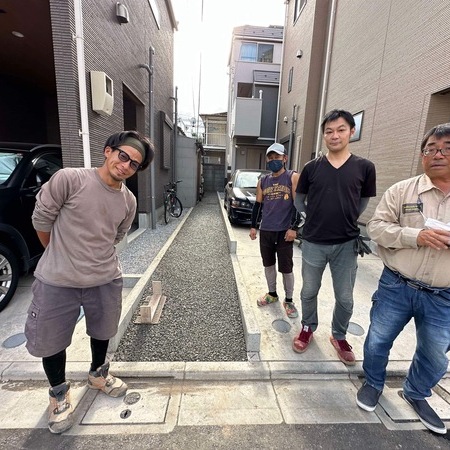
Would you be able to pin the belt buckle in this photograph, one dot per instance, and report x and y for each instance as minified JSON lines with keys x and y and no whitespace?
{"x":414,"y":285}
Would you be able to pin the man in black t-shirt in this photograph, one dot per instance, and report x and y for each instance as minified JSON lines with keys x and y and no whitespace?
{"x":333,"y":190}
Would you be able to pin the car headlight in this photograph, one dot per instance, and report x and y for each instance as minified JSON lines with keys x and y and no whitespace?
{"x":237,"y":203}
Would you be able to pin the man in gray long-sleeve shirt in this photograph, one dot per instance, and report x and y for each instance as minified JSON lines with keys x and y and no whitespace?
{"x":80,"y":214}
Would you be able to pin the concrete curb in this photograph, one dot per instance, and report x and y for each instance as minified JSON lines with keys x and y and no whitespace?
{"x":207,"y":371}
{"x":232,"y":243}
{"x":250,"y":324}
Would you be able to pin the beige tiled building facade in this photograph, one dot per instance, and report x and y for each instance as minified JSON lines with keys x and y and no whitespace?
{"x":388,"y":60}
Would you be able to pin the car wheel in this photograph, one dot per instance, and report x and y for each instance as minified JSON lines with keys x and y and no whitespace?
{"x":9,"y":275}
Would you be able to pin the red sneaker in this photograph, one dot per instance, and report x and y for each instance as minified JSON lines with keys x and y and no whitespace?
{"x":344,"y":351}
{"x":301,"y":342}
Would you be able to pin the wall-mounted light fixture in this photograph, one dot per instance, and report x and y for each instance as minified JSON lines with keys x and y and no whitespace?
{"x":299,"y":54}
{"x":122,"y":13}
{"x":285,"y":120}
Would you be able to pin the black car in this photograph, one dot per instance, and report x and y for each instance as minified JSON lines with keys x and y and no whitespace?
{"x":23,"y":170}
{"x":240,"y":194}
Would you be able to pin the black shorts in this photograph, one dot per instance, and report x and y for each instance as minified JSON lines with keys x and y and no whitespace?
{"x":272,"y":246}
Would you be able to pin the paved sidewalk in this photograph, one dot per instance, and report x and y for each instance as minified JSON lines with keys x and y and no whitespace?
{"x":275,"y":385}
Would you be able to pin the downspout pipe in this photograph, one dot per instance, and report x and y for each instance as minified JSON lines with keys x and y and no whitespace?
{"x":175,"y":135}
{"x":149,"y":69}
{"x":79,"y":39}
{"x":326,"y":74}
{"x":292,"y":135}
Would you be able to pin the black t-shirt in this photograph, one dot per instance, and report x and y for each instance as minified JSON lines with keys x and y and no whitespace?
{"x":333,"y":196}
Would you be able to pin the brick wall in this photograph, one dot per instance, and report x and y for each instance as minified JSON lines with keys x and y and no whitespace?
{"x":116,"y":49}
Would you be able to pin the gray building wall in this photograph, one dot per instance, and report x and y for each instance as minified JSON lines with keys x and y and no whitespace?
{"x":187,"y":165}
{"x":301,"y":104}
{"x":390,"y":60}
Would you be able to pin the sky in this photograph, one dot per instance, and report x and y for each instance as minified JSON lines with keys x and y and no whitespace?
{"x":202,"y":48}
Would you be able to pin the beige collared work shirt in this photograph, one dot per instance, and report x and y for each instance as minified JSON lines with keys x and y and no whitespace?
{"x":397,"y":222}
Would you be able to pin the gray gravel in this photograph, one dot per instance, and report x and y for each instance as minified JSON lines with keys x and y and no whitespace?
{"x":201,"y":318}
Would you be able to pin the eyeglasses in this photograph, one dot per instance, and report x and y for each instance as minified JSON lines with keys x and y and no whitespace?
{"x":433,"y":151}
{"x":125,"y":157}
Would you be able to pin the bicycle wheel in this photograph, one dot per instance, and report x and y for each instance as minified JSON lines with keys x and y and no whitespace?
{"x":176,"y":208}
{"x":166,"y":210}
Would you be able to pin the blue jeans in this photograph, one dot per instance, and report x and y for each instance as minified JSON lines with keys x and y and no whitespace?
{"x":342,"y":259}
{"x":395,"y":303}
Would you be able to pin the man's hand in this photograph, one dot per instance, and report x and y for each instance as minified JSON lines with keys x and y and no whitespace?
{"x":437,"y":239}
{"x":252,"y":234}
{"x":290,"y":235}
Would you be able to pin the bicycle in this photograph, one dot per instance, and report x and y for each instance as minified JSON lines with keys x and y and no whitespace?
{"x":172,"y":204}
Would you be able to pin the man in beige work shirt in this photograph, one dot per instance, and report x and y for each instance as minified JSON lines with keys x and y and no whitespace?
{"x":411,"y":226}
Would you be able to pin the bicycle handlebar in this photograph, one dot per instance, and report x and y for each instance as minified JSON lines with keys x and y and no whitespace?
{"x":172,"y":185}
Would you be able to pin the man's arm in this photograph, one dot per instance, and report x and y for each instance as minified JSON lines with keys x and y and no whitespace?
{"x":299,"y":203}
{"x":44,"y":237}
{"x":363,"y":202}
{"x":256,"y":212}
{"x":385,"y":229}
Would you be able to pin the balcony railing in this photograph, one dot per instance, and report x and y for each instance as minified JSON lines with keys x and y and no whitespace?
{"x":216,"y":139}
{"x":247,"y":117}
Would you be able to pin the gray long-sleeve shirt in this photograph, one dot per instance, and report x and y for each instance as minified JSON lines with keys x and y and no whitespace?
{"x":85,"y":218}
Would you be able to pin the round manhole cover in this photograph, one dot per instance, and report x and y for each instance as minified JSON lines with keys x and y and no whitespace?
{"x":132,"y":398}
{"x":14,"y":341}
{"x":281,"y":326}
{"x":355,"y":329}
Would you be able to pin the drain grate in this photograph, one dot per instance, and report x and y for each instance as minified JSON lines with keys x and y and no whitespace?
{"x":125,"y":414}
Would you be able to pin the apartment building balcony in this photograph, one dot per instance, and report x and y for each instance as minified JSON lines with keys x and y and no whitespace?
{"x":215,"y":140}
{"x":247,"y":117}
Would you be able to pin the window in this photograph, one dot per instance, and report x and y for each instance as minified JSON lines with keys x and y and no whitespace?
{"x":291,"y":75}
{"x":253,"y":52}
{"x":358,"y":126}
{"x":245,"y":90}
{"x":166,"y":140}
{"x":299,"y":5}
{"x":8,"y":162}
{"x":155,"y":11}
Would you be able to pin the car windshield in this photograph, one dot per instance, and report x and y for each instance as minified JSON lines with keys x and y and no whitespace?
{"x":8,"y":162}
{"x":247,"y":179}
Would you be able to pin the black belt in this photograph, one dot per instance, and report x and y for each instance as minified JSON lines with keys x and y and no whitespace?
{"x":418,"y":285}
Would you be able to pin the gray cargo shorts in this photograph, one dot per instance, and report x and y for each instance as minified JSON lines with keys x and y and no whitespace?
{"x":54,"y":311}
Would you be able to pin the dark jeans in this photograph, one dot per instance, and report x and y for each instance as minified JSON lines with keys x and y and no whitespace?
{"x":395,"y":303}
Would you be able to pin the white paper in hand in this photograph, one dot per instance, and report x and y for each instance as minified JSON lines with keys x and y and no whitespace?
{"x":437,"y":225}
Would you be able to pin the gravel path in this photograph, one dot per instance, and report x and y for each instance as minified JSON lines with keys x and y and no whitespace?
{"x":201,"y":319}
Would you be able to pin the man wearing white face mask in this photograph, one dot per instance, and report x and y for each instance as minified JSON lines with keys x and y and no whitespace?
{"x":278,"y":227}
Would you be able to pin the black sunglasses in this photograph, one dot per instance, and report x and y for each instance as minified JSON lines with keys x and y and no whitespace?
{"x":125,"y":157}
